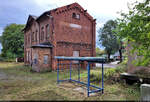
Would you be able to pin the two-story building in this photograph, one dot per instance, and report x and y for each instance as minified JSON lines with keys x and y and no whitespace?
{"x":64,"y":31}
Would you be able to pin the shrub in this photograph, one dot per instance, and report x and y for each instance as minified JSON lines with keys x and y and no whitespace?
{"x":120,"y":69}
{"x":97,"y":75}
{"x":1,"y":59}
{"x":5,"y":59}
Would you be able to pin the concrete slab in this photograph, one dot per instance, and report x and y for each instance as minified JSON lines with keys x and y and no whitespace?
{"x":145,"y":92}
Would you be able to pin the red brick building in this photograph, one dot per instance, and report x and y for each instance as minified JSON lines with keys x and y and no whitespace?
{"x":64,"y":31}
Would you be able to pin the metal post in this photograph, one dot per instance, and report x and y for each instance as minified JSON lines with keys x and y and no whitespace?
{"x":88,"y":79}
{"x":102,"y":78}
{"x":79,"y":72}
{"x":70,"y":69}
{"x":57,"y":71}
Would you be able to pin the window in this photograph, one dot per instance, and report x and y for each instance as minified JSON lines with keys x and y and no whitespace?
{"x":45,"y":59}
{"x":78,"y":16}
{"x":47,"y":31}
{"x":36,"y":35}
{"x":29,"y":39}
{"x":75,"y":15}
{"x":33,"y":36}
{"x":26,"y":40}
{"x":42,"y":33}
{"x":75,"y":54}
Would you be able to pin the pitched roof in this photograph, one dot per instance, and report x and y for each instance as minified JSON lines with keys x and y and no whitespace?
{"x":61,"y":10}
{"x":72,"y":6}
{"x":31,"y":17}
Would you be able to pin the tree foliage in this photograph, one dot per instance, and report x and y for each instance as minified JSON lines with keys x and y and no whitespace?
{"x":99,"y":52}
{"x":108,"y":38}
{"x":135,"y":27}
{"x":13,"y":41}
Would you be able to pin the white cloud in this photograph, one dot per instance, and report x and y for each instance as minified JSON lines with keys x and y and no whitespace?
{"x":99,"y":25}
{"x":95,"y":7}
{"x":102,"y":10}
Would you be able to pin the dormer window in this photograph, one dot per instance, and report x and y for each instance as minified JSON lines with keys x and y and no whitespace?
{"x":75,"y":15}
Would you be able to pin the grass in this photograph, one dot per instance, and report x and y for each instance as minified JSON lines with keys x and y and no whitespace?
{"x":18,"y":83}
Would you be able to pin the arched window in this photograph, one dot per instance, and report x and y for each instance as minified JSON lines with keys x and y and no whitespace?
{"x":42,"y":33}
{"x":76,"y":15}
{"x":47,"y":31}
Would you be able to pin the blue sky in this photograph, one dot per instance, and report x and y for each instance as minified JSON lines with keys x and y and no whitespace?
{"x":17,"y":11}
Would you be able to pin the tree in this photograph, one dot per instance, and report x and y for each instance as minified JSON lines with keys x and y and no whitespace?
{"x":108,"y":38}
{"x":134,"y":26}
{"x":13,"y":41}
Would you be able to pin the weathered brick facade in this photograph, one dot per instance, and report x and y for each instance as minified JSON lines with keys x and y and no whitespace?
{"x":59,"y":32}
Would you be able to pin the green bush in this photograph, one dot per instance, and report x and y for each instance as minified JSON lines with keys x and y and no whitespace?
{"x":5,"y":59}
{"x":109,"y":73}
{"x":1,"y":59}
{"x":97,"y":75}
{"x":120,"y":69}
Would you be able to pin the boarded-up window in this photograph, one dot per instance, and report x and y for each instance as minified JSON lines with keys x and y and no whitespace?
{"x":28,"y":56}
{"x":45,"y":59}
{"x":35,"y":60}
{"x":75,"y":54}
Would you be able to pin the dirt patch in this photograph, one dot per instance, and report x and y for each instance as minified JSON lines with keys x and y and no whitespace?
{"x":46,"y":95}
{"x":76,"y":88}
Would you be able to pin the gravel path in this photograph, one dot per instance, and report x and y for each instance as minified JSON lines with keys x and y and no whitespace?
{"x":108,"y":65}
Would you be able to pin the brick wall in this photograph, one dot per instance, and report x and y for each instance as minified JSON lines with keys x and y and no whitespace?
{"x":40,"y":65}
{"x":70,"y":34}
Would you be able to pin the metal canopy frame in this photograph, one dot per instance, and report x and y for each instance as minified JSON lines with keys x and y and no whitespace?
{"x":89,"y":60}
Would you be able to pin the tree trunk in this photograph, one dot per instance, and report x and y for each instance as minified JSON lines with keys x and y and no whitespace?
{"x":108,"y":57}
{"x":120,"y":53}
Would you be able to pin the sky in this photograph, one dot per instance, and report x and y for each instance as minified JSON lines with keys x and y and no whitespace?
{"x":17,"y":11}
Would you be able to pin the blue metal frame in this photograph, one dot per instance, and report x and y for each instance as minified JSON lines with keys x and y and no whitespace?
{"x":89,"y":60}
{"x":70,"y":70}
{"x":88,"y":79}
{"x":57,"y":71}
{"x":79,"y":72}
